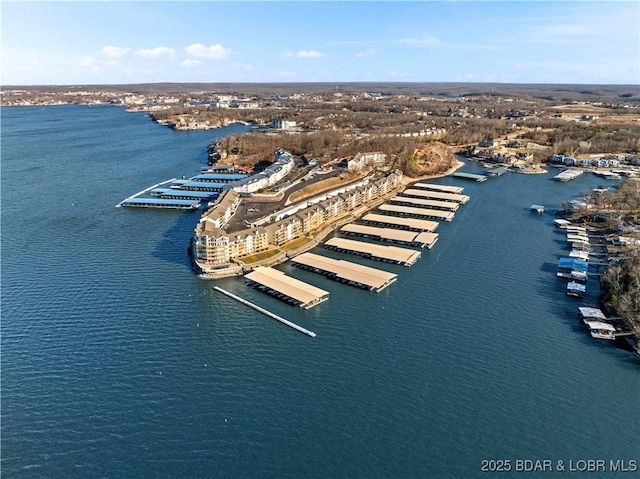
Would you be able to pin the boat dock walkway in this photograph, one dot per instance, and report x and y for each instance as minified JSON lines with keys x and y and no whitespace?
{"x":265,"y":312}
{"x":391,"y":235}
{"x":413,"y":224}
{"x":419,"y":212}
{"x":346,"y":272}
{"x":420,"y":202}
{"x":291,"y":290}
{"x":444,"y":188}
{"x":436,"y":195}
{"x":389,"y":254}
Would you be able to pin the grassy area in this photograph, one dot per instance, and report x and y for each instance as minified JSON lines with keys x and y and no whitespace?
{"x":295,"y":244}
{"x":260,"y":256}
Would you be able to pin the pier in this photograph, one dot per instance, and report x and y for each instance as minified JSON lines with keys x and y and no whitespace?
{"x":286,"y":288}
{"x":436,"y":195}
{"x":265,"y":312}
{"x":391,"y":235}
{"x":417,"y":212}
{"x":421,"y":202}
{"x":470,"y":176}
{"x":346,"y":272}
{"x":412,"y":224}
{"x":389,"y":254}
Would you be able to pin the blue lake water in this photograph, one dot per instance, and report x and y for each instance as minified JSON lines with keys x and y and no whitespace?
{"x":118,"y":362}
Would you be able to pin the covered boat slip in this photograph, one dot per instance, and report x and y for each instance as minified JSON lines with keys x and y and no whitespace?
{"x":420,"y":202}
{"x":445,"y":188}
{"x":392,"y":235}
{"x":291,"y":290}
{"x":588,"y":313}
{"x":572,"y":268}
{"x":419,"y":212}
{"x":160,"y":203}
{"x":345,"y":271}
{"x":436,"y":195}
{"x":390,"y":254}
{"x":402,"y":223}
{"x":600,"y":330}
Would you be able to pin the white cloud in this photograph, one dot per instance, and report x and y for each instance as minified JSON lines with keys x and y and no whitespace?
{"x":191,"y":63}
{"x":96,"y":65}
{"x":287,"y":74}
{"x":366,"y":53}
{"x":216,"y":52}
{"x":114,"y":52}
{"x":242,"y":66}
{"x":287,"y":54}
{"x":155,"y":53}
{"x":310,"y":54}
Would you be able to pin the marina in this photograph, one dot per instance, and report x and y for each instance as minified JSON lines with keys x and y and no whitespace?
{"x":470,"y":176}
{"x":391,"y":235}
{"x":436,"y":195}
{"x":417,"y":212}
{"x":291,"y":290}
{"x":420,"y":202}
{"x":346,"y":272}
{"x":413,"y":224}
{"x":266,"y":313}
{"x":389,"y":254}
{"x":434,"y":187}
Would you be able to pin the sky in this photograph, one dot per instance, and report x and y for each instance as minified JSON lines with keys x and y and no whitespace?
{"x":121,"y":42}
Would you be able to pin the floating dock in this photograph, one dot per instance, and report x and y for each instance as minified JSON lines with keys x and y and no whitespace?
{"x":267,"y":313}
{"x":346,"y":272}
{"x":401,"y":223}
{"x":470,"y":176}
{"x":286,"y":288}
{"x":422,"y":202}
{"x":417,"y":212}
{"x":444,"y":188}
{"x":436,"y":195}
{"x":568,"y":174}
{"x":389,"y":254}
{"x":160,"y":203}
{"x":391,"y":235}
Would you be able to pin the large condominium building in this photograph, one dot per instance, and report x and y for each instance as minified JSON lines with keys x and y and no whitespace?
{"x":213,"y":248}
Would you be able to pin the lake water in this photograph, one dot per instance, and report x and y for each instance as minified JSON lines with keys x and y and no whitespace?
{"x":118,"y":362}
